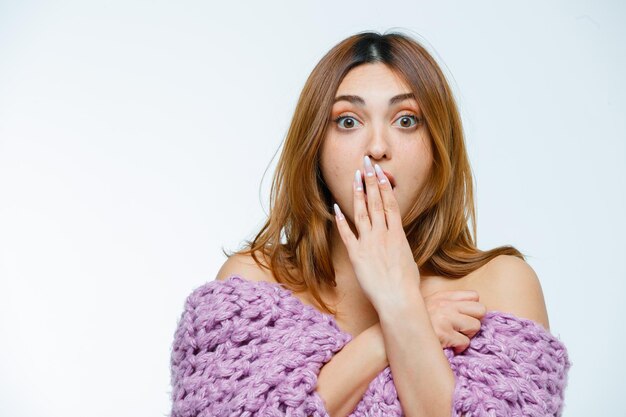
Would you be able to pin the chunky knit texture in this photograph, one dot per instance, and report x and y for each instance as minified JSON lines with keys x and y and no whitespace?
{"x":251,"y":348}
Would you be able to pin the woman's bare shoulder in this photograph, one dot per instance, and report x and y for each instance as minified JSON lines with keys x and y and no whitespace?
{"x":244,"y":266}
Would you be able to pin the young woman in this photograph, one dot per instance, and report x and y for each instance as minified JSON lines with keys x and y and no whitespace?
{"x":368,"y":228}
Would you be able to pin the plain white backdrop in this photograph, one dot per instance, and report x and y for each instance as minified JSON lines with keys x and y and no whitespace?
{"x":135,"y":135}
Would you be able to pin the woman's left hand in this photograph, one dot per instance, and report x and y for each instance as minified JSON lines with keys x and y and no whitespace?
{"x":381,"y":255}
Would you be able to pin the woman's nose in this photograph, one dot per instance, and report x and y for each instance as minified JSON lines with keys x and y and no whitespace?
{"x":378,"y":145}
{"x":378,"y":149}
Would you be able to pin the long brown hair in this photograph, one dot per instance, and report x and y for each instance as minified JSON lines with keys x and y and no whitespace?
{"x":295,"y":239}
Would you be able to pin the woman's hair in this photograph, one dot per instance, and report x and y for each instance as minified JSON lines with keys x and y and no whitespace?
{"x":295,"y":239}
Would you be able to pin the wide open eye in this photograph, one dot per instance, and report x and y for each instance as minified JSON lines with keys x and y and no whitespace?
{"x":409,"y":116}
{"x":351,"y":121}
{"x":340,"y":119}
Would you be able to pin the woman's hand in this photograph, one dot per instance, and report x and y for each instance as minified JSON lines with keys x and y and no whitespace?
{"x":381,"y":256}
{"x":455,"y":316}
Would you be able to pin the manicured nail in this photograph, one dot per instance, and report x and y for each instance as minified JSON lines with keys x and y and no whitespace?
{"x":369,"y":169}
{"x":338,"y":212}
{"x":358,"y":181}
{"x":380,"y":174}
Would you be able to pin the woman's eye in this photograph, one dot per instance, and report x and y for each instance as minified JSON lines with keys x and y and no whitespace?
{"x":404,"y":120}
{"x":349,"y":125}
{"x":405,"y":117}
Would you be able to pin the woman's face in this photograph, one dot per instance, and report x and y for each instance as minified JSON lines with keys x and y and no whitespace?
{"x":393,"y":135}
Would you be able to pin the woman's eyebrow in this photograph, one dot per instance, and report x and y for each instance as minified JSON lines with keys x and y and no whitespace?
{"x":361,"y":103}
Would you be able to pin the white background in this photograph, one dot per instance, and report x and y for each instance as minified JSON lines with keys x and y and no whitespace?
{"x":134,"y":137}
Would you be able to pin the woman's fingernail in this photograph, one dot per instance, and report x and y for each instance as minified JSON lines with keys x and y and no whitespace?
{"x":369,"y":169}
{"x":358,"y":181}
{"x":338,"y":211}
{"x":380,"y":174}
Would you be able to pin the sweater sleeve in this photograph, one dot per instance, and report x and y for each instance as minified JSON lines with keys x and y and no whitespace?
{"x":513,"y":367}
{"x":242,"y":349}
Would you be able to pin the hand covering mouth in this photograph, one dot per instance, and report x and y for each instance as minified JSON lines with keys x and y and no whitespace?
{"x":390,"y":177}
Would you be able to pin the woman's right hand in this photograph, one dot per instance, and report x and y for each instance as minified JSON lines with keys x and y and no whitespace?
{"x":455,"y":316}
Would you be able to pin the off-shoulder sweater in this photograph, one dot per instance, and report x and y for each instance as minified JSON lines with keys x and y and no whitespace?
{"x":252,"y":348}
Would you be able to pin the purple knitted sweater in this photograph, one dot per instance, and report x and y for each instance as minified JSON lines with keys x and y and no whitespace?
{"x":252,"y":348}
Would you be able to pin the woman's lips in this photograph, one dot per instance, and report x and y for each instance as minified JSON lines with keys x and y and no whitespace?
{"x":392,"y":180}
